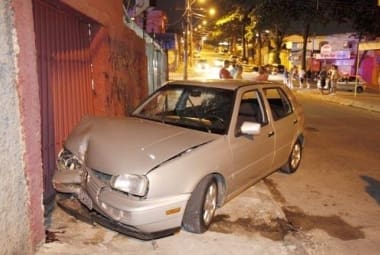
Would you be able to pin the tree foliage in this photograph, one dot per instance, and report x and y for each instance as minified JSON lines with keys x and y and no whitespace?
{"x":249,"y":18}
{"x":365,"y":18}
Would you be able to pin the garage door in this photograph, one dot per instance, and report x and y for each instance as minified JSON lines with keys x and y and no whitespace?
{"x":63,"y":38}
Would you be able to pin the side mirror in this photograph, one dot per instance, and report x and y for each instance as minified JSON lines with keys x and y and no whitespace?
{"x":250,"y":128}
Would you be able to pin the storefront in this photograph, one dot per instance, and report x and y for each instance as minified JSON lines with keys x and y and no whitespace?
{"x":341,"y":58}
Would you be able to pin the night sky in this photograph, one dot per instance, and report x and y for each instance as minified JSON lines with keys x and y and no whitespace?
{"x":175,"y":8}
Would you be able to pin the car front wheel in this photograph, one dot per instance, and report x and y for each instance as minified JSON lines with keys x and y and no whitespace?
{"x":294,"y":159}
{"x":201,"y":206}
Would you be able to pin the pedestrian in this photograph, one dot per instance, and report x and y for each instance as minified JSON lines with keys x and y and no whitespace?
{"x":263,"y":74}
{"x":322,"y":82}
{"x":224,"y":73}
{"x":292,"y":76}
{"x":301,"y":77}
{"x":238,"y":75}
{"x":286,"y":77}
{"x":308,"y":77}
{"x":334,"y":76}
{"x":233,"y":69}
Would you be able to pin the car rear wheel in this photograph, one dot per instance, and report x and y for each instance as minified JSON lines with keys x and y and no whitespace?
{"x":201,"y":206}
{"x":294,"y":159}
{"x":359,"y":89}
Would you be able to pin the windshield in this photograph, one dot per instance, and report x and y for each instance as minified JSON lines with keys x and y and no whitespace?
{"x":206,"y":109}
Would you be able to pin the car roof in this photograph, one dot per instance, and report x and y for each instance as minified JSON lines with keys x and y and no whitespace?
{"x":218,"y":83}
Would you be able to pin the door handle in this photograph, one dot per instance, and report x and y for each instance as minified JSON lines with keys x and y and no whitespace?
{"x":271,"y":133}
{"x":295,"y":121}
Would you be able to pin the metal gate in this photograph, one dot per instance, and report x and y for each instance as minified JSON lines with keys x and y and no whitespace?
{"x":65,"y":78}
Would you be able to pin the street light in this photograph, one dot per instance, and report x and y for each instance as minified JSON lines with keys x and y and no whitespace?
{"x":189,"y":13}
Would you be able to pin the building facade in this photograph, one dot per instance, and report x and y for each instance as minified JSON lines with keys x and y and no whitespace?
{"x":341,"y":50}
{"x":60,"y":60}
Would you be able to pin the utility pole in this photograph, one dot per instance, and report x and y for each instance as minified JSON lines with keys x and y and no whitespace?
{"x":187,"y":35}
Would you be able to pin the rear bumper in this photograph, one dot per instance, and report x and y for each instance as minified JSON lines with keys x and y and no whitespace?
{"x":72,"y":206}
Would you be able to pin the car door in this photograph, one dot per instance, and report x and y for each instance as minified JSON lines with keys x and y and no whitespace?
{"x":284,"y":122}
{"x":344,"y":84}
{"x":252,"y":154}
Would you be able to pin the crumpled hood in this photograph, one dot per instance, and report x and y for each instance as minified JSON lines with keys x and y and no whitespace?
{"x":130,"y":145}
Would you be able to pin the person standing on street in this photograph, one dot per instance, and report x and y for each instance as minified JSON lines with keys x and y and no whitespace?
{"x":263,"y":74}
{"x":308,"y":77}
{"x":238,"y":75}
{"x":233,"y":68}
{"x":301,"y":77}
{"x":224,"y":73}
{"x":334,"y":75}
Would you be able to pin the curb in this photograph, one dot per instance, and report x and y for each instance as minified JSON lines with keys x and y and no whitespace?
{"x":348,"y":102}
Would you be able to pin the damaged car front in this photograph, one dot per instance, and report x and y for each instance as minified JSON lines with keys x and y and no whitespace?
{"x":136,"y":175}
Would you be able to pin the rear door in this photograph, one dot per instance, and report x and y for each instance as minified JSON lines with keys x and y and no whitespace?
{"x":284,"y":122}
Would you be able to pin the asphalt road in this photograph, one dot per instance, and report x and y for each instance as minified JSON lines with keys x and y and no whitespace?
{"x":335,"y":195}
{"x":329,"y":206}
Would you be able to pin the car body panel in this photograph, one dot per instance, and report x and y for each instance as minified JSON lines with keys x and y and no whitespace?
{"x":349,"y":83}
{"x":134,"y":145}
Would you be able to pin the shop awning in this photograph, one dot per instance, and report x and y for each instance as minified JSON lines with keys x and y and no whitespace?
{"x":374,"y":45}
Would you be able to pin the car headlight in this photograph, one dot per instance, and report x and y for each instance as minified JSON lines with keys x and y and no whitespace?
{"x":131,"y":183}
{"x":66,"y":160}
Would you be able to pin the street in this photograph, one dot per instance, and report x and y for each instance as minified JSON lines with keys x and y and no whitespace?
{"x":329,"y":206}
{"x":338,"y":187}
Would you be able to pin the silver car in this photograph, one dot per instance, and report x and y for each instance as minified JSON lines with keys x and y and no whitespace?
{"x":349,"y":83}
{"x":185,"y":151}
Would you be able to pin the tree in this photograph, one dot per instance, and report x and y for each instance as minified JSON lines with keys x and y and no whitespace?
{"x":365,"y":18}
{"x":232,"y":22}
{"x":309,"y":13}
{"x":274,"y":16}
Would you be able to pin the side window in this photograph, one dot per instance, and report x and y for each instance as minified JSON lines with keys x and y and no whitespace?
{"x":250,"y":109}
{"x":279,"y":103}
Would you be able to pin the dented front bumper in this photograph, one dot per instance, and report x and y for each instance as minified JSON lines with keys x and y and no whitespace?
{"x":95,"y":200}
{"x":72,"y":206}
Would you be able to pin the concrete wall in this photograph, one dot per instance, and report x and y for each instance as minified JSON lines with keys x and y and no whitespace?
{"x":120,"y":74}
{"x":21,"y":212}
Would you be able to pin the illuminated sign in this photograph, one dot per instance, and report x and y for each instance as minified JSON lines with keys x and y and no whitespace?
{"x":340,"y":54}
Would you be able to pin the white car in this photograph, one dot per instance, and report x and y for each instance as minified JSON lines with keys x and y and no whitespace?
{"x":349,"y":83}
{"x":185,"y":151}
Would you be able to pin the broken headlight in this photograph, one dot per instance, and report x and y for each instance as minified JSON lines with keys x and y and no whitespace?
{"x":131,"y":183}
{"x":68,"y":161}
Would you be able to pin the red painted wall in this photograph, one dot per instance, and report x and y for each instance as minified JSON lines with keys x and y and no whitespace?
{"x":30,"y":116}
{"x":370,"y":69}
{"x":119,"y":58}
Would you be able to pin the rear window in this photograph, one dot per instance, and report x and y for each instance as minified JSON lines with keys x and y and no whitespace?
{"x":279,"y":103}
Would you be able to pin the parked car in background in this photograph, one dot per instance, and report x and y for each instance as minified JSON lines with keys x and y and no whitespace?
{"x":202,"y":64}
{"x":187,"y":149}
{"x":219,"y":62}
{"x":349,"y":83}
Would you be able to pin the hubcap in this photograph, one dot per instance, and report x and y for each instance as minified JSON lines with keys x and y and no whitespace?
{"x":296,"y":156}
{"x":209,"y":205}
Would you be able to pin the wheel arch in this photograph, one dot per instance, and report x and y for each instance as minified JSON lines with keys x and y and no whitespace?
{"x":222,"y":187}
{"x":301,"y":139}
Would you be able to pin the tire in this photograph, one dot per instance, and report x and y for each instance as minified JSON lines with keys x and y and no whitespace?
{"x":294,"y":159}
{"x":201,"y":206}
{"x":359,"y":89}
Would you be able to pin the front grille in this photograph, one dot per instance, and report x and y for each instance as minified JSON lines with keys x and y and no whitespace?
{"x":105,"y":178}
{"x":94,"y":184}
{"x":98,"y":182}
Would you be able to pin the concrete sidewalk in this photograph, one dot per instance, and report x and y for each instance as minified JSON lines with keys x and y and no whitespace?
{"x":366,"y":100}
